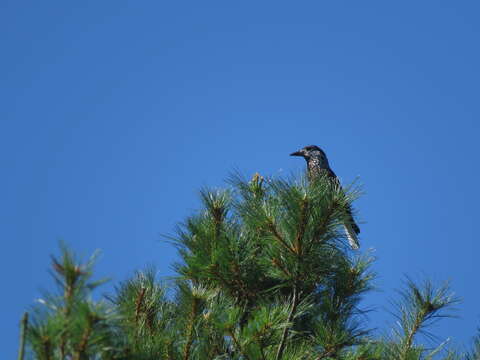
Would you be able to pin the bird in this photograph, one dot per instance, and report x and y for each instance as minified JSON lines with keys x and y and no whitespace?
{"x":317,"y":165}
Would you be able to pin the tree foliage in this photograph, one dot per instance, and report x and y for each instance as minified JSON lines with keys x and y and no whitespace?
{"x":264,"y":273}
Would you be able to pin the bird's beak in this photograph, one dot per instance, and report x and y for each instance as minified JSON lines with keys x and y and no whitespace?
{"x":297,"y":153}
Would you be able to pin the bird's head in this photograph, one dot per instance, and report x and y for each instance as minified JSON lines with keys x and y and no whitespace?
{"x":309,"y":152}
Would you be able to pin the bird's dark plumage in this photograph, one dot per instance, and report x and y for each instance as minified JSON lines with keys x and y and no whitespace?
{"x":317,"y":164}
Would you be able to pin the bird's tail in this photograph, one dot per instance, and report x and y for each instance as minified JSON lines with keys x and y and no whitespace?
{"x":352,"y":236}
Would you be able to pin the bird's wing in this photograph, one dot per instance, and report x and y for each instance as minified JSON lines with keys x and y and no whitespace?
{"x":351,"y":220}
{"x":331,"y":174}
{"x":349,"y":216}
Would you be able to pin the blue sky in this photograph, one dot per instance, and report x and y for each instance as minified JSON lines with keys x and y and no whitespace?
{"x":115,"y":113}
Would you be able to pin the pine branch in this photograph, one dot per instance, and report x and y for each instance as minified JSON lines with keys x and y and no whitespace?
{"x":413,"y":331}
{"x":139,"y":303}
{"x":23,"y":332}
{"x":191,"y":324}
{"x":82,"y":347}
{"x":281,"y":346}
{"x":420,"y":307}
{"x":237,"y":344}
{"x":273,"y":229}
{"x":326,"y":354}
{"x":302,"y":224}
{"x":47,"y":348}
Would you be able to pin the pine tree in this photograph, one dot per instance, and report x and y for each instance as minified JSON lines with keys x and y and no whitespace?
{"x":265,"y":273}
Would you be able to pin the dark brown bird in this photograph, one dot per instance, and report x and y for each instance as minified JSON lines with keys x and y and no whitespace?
{"x":317,"y":165}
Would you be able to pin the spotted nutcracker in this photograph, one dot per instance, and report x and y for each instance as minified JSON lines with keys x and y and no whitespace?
{"x":317,"y":164}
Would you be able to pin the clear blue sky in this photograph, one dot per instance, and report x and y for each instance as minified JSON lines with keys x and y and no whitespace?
{"x":115,"y":113}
